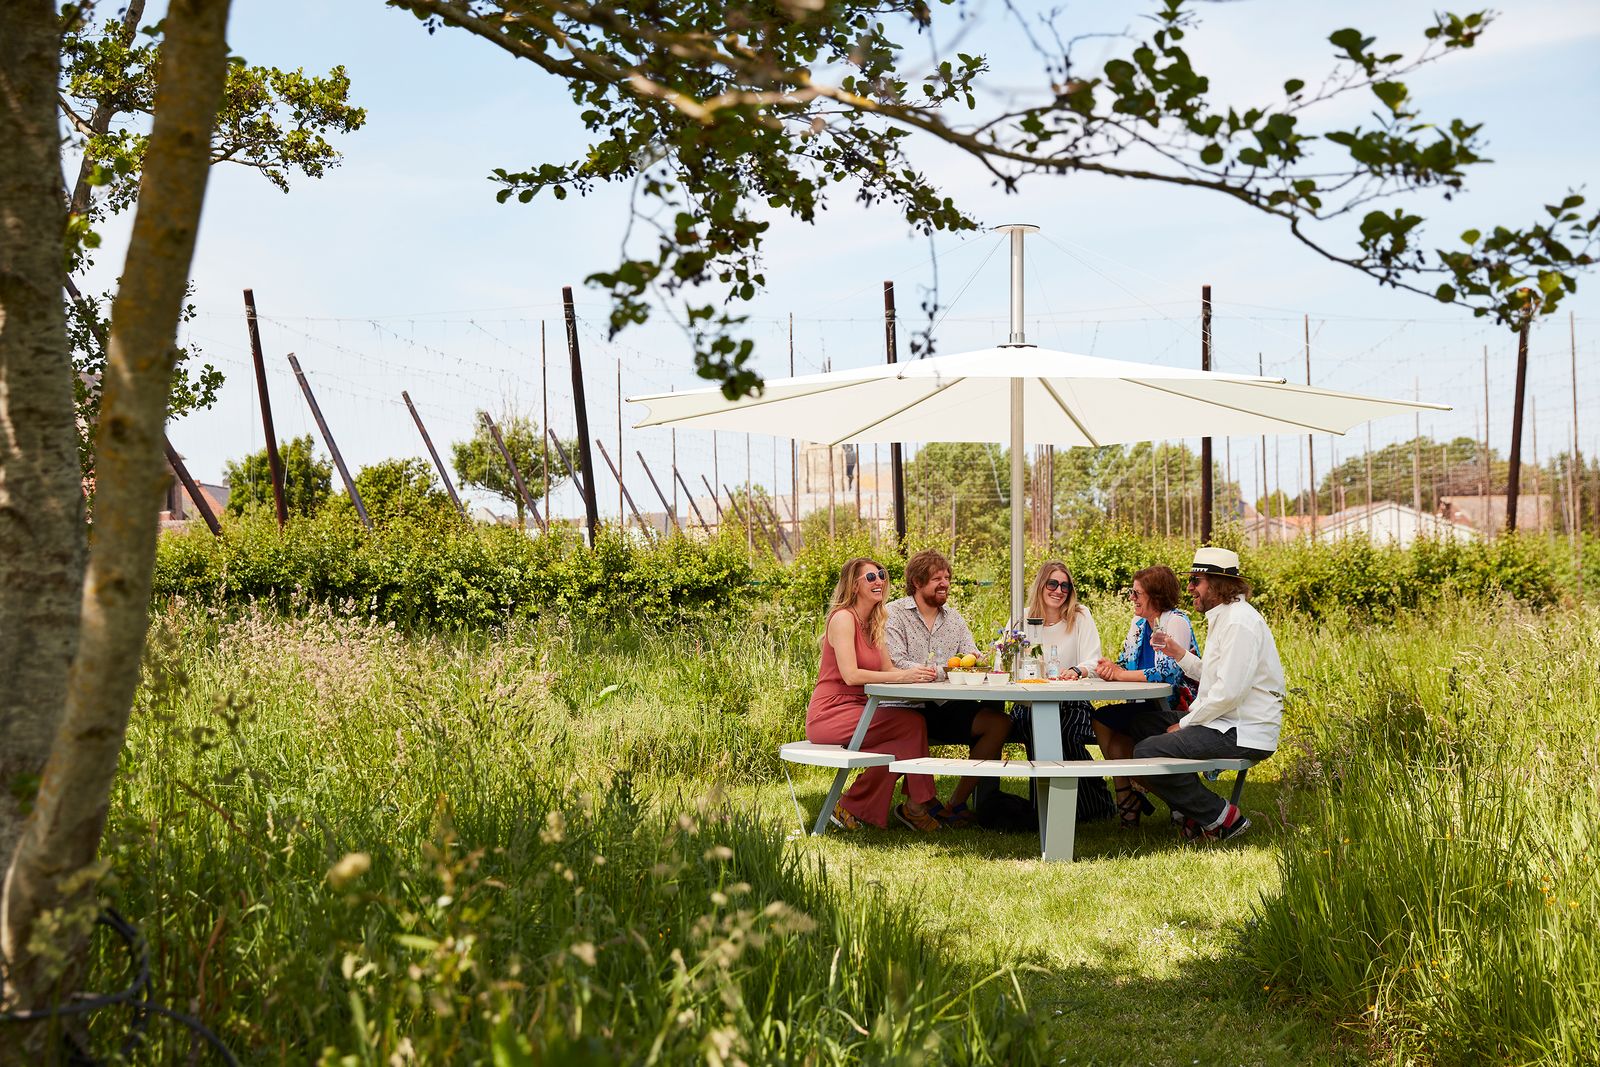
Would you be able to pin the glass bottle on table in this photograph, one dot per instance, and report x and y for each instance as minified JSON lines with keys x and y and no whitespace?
{"x":1052,"y":665}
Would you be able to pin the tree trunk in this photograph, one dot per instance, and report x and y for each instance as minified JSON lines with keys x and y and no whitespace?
{"x":62,"y":837}
{"x":41,"y":499}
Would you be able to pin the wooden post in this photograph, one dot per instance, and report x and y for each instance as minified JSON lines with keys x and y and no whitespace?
{"x":274,"y":461}
{"x":444,"y":475}
{"x":201,"y":504}
{"x":777,"y":524}
{"x":1416,"y":450}
{"x":189,"y":484}
{"x":511,"y":465}
{"x":831,"y":530}
{"x":544,"y":396}
{"x":716,"y":502}
{"x":756,"y":518}
{"x":794,"y":454}
{"x":591,"y":507}
{"x":1311,"y":441}
{"x":579,"y":483}
{"x":627,"y":497}
{"x":738,"y":513}
{"x":1261,"y":371}
{"x":1369,"y":479}
{"x":1206,"y":488}
{"x":897,"y":473}
{"x":621,"y":492}
{"x":672,"y":512}
{"x":1514,"y":475}
{"x":333,"y":447}
{"x":690,"y":495}
{"x":749,"y":479}
{"x":1533,"y":434}
{"x":1576,"y":462}
{"x":1487,"y":486}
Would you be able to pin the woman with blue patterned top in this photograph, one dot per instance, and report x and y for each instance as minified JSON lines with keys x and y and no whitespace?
{"x":1118,"y":727}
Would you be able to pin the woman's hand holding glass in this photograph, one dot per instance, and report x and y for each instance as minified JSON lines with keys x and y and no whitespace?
{"x":918,"y":674}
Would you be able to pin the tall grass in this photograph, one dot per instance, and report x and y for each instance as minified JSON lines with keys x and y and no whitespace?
{"x":1444,"y":892}
{"x":355,"y":847}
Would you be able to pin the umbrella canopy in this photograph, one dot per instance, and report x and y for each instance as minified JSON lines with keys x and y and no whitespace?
{"x":1018,"y":393}
{"x":1067,"y":400}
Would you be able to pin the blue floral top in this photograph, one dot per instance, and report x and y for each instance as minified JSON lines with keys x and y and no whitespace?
{"x":1138,"y":655}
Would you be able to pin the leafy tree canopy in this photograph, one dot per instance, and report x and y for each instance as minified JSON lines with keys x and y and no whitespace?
{"x":402,"y":489}
{"x":478,"y":461}
{"x":719,"y":114}
{"x":307,"y":480}
{"x":276,"y":122}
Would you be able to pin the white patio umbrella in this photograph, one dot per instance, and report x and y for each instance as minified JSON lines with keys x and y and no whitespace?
{"x":1016,"y":393}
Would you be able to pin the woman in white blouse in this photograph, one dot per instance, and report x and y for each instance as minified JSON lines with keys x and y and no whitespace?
{"x":1069,"y":629}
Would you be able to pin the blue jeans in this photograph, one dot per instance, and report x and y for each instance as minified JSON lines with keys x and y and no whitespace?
{"x":1185,"y":792}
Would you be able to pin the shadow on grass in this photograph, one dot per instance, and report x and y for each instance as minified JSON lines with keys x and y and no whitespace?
{"x":1264,"y":802}
{"x":1202,"y":1010}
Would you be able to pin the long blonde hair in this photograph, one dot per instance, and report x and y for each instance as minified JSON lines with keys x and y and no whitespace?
{"x":1069,"y":610}
{"x":845,"y":595}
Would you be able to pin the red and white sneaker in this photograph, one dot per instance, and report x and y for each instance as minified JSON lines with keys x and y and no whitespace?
{"x":1232,"y":825}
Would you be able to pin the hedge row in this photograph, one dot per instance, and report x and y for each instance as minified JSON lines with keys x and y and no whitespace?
{"x":450,"y":574}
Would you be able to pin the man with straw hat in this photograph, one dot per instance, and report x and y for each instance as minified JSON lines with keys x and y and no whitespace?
{"x":1238,"y":710}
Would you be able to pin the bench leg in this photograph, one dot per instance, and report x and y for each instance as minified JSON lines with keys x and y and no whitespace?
{"x":1238,"y":788}
{"x":834,"y":793}
{"x":1058,"y":818}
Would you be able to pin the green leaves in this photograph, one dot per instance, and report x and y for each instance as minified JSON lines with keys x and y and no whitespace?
{"x":1393,"y":95}
{"x":721,"y":118}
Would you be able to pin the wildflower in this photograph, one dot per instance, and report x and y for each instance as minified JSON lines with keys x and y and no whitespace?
{"x":583,"y":951}
{"x":350,"y":867}
{"x":555,"y":830}
{"x":719,"y":853}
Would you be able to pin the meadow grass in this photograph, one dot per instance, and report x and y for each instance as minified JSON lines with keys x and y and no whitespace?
{"x":351,"y":844}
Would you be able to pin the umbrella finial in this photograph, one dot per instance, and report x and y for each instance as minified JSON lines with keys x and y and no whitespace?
{"x":1018,"y":231}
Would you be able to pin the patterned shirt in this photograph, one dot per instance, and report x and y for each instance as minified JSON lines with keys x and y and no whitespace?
{"x":1175,"y":624}
{"x":910,"y":641}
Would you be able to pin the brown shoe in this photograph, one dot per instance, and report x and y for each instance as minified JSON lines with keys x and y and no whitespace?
{"x":843,"y":820}
{"x":917,"y":820}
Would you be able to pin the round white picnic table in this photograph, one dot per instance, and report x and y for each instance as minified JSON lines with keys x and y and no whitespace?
{"x":1056,"y":828}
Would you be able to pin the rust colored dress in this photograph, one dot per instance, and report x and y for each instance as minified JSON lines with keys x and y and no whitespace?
{"x":831,"y":719}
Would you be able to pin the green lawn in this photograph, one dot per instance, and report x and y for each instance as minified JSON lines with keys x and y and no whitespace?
{"x":1420,"y":874}
{"x":1129,"y":953}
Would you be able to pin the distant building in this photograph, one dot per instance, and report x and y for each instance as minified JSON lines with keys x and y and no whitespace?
{"x":177,"y":510}
{"x":1488,"y":513}
{"x":1271,"y":529}
{"x":1389,"y":522}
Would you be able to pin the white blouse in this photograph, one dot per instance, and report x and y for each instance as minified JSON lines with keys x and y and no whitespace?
{"x":1078,"y":648}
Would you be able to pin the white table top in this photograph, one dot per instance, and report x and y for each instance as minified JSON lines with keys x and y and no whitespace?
{"x":1043,"y":692}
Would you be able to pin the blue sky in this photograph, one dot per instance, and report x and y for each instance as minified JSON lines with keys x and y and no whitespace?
{"x":398,"y":270}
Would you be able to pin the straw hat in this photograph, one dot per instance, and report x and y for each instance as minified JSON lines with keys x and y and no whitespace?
{"x":1216,"y":561}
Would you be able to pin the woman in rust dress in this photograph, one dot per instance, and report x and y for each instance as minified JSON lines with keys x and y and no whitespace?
{"x":854,"y":655}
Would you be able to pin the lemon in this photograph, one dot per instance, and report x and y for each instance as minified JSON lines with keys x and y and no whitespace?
{"x":969,"y":660}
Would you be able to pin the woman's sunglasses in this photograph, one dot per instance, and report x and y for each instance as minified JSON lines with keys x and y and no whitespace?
{"x":876,"y":576}
{"x":1052,"y":585}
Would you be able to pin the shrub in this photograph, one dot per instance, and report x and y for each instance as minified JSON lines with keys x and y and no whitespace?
{"x":450,"y":574}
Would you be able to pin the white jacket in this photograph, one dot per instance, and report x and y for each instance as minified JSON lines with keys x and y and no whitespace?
{"x":1241,"y":677}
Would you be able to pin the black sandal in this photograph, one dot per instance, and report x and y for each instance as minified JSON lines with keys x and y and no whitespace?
{"x":1132,"y":803}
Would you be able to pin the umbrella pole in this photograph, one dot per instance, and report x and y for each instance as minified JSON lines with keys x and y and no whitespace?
{"x":1016,"y":502}
{"x":1018,"y":234}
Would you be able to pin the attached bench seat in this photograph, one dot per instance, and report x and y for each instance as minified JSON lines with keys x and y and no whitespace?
{"x":1058,"y":799}
{"x":832,"y":756}
{"x":1056,"y":768}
